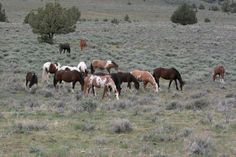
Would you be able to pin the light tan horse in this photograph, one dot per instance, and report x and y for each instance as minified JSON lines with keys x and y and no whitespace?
{"x":99,"y":82}
{"x":219,"y":70}
{"x":103,"y":64}
{"x":146,"y":77}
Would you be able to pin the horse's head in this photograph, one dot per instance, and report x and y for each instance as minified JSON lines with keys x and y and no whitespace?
{"x":116,"y":66}
{"x":182,"y":83}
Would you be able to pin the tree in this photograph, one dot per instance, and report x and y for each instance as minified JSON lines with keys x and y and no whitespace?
{"x":184,"y":15}
{"x":3,"y":17}
{"x":51,"y":20}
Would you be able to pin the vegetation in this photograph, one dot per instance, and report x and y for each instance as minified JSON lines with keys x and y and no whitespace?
{"x":126,"y":18}
{"x":3,"y":17}
{"x":207,"y":20}
{"x":184,"y":15}
{"x":51,"y":20}
{"x":201,"y":6}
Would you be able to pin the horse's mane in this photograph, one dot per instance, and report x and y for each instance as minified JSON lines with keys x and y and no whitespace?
{"x":114,"y":63}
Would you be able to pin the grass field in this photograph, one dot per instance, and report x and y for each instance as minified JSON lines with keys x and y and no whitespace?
{"x":198,"y":121}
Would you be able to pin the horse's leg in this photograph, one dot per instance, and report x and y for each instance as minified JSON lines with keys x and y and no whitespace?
{"x":104,"y":91}
{"x":145,"y":84}
{"x":73,"y":87}
{"x":176,"y":84}
{"x":108,"y":69}
{"x":26,"y":83}
{"x":170,"y":84}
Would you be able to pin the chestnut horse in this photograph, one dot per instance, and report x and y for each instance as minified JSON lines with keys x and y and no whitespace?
{"x":64,"y":47}
{"x":69,"y":76}
{"x":146,"y":77}
{"x":82,"y":44}
{"x":103,"y":64}
{"x":219,"y":70}
{"x":168,"y":74}
{"x":49,"y":68}
{"x":106,"y":81}
{"x":32,"y":78}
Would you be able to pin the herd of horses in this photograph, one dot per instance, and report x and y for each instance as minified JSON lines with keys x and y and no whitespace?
{"x":111,"y":82}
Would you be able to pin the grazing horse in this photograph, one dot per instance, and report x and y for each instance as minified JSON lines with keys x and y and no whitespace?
{"x":103,"y":64}
{"x":168,"y":74}
{"x":83,"y":68}
{"x":69,"y":76}
{"x":82,"y":44}
{"x":32,"y":78}
{"x":106,"y":81}
{"x":146,"y":77}
{"x":219,"y":70}
{"x":64,"y":47}
{"x":121,"y":77}
{"x":49,"y":68}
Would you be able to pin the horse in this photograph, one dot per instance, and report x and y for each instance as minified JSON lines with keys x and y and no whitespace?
{"x":64,"y":47}
{"x":146,"y":77}
{"x":219,"y":70}
{"x":103,"y":64}
{"x":32,"y":78}
{"x":106,"y":81}
{"x":82,"y":44}
{"x":121,"y":77}
{"x":83,"y":67}
{"x":168,"y":74}
{"x":69,"y":76}
{"x":49,"y":68}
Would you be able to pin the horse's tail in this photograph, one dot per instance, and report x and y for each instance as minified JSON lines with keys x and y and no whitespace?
{"x":155,"y":76}
{"x":179,"y":76}
{"x":54,"y":80}
{"x":92,"y":69}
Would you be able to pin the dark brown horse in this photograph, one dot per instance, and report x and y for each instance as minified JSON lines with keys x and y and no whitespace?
{"x":168,"y":74}
{"x":64,"y":47}
{"x":219,"y":70}
{"x":69,"y":76}
{"x":82,"y":44}
{"x":103,"y":64}
{"x":32,"y":78}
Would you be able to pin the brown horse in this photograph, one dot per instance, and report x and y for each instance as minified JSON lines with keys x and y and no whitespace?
{"x":168,"y":74}
{"x":100,"y":81}
{"x":219,"y":70}
{"x":103,"y":64}
{"x":69,"y":76}
{"x":32,"y":78}
{"x":82,"y":44}
{"x":49,"y":68}
{"x":146,"y":77}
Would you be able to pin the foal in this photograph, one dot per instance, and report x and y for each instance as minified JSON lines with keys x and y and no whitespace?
{"x":99,"y":82}
{"x":32,"y":78}
{"x":168,"y":74}
{"x":219,"y":70}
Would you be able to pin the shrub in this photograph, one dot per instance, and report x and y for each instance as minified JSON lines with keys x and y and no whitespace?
{"x":88,"y":105}
{"x":184,"y":15}
{"x":52,"y":19}
{"x":207,"y":20}
{"x":214,"y":8}
{"x":197,"y":104}
{"x":201,"y":6}
{"x":3,"y":17}
{"x":115,"y":21}
{"x":226,"y":6}
{"x":126,"y":18}
{"x":121,"y":126}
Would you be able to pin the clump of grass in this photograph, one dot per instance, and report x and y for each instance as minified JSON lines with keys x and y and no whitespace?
{"x":207,"y":20}
{"x":85,"y":127}
{"x":200,"y":145}
{"x":101,"y":140}
{"x":119,"y":105}
{"x":88,"y":105}
{"x":115,"y":21}
{"x":198,"y":104}
{"x":173,"y":105}
{"x":35,"y":149}
{"x":27,"y":127}
{"x":121,"y":126}
{"x":185,"y":132}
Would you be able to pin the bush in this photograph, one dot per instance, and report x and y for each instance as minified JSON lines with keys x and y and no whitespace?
{"x":184,"y":15}
{"x":3,"y":17}
{"x":226,"y":6}
{"x":121,"y":126}
{"x":207,"y":20}
{"x":126,"y":18}
{"x":52,"y":19}
{"x":214,"y":8}
{"x":115,"y":21}
{"x":201,"y":6}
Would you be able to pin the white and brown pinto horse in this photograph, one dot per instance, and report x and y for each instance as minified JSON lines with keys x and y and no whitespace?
{"x":103,"y":64}
{"x":219,"y":70}
{"x":49,"y":68}
{"x":82,"y":67}
{"x":105,"y":82}
{"x":146,"y":77}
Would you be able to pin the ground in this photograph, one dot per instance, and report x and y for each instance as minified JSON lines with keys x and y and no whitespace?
{"x":198,"y":121}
